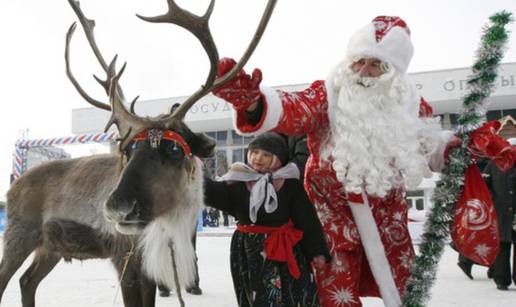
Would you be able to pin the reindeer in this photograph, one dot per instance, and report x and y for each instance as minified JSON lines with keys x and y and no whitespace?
{"x":134,"y":206}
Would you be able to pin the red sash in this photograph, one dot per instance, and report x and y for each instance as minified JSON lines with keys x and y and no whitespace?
{"x":279,"y":245}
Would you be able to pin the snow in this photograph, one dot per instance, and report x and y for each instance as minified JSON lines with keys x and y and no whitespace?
{"x":94,"y":282}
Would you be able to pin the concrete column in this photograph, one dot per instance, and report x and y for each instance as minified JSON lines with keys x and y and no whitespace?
{"x":447,"y":121}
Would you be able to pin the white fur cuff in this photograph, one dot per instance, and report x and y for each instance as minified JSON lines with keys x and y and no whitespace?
{"x":273,"y":109}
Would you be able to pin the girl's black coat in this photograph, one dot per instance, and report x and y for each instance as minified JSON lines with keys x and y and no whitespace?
{"x":293,"y":204}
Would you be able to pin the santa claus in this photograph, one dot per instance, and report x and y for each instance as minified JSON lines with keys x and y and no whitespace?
{"x":367,"y":145}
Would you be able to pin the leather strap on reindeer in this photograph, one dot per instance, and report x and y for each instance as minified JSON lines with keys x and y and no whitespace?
{"x":156,"y":135}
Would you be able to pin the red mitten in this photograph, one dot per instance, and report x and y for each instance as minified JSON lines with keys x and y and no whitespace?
{"x":241,"y":91}
{"x":506,"y":159}
{"x":484,"y":142}
{"x":425,"y":109}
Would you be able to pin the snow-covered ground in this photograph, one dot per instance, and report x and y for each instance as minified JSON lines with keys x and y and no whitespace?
{"x":94,"y":282}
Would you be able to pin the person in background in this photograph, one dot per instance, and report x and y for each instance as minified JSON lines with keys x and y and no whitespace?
{"x":298,"y":152}
{"x":225,"y":218}
{"x":502,"y":186}
{"x":278,"y":233}
{"x":204,"y":217}
{"x":214,"y":217}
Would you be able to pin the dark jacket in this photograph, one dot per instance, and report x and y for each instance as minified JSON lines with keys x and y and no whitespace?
{"x":502,"y":186}
{"x":293,"y":205}
{"x":298,"y":152}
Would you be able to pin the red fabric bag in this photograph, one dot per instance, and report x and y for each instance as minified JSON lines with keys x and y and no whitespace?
{"x":475,"y":226}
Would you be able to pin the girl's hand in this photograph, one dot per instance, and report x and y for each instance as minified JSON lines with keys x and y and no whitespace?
{"x":319,"y":262}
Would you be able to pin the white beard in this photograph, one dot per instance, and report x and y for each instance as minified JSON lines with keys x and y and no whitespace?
{"x":377,"y":142}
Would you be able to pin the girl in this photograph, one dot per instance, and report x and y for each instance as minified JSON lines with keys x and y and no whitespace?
{"x":278,"y":232}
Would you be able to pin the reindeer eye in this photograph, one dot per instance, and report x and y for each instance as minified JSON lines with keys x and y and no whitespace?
{"x":174,"y":150}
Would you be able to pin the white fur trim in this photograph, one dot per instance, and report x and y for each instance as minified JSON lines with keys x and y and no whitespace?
{"x":176,"y":226}
{"x":394,"y":48}
{"x":437,"y":161}
{"x":375,"y":252}
{"x":274,"y":110}
{"x":331,"y":94}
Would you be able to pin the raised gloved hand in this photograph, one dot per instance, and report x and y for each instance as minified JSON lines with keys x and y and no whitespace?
{"x":241,"y":91}
{"x":485,"y":142}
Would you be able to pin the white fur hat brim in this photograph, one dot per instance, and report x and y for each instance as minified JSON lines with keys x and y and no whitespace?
{"x":395,"y":47}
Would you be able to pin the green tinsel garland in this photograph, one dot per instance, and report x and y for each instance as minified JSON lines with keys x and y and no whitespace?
{"x":437,"y":226}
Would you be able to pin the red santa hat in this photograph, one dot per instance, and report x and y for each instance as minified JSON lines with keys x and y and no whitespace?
{"x":386,"y":38}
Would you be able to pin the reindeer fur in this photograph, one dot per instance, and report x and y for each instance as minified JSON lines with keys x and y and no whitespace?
{"x":57,"y":210}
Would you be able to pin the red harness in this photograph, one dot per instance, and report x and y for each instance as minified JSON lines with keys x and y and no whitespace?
{"x":156,"y":135}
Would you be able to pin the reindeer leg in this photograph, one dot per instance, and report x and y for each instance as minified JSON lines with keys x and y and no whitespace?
{"x":20,"y":239}
{"x":148,"y":290}
{"x":130,"y":287}
{"x":128,"y":266}
{"x":42,"y":264}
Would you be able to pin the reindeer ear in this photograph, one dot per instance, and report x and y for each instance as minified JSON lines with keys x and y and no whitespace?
{"x":202,"y":146}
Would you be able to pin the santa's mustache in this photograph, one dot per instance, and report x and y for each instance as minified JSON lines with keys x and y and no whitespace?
{"x":371,"y":82}
{"x":346,"y":77}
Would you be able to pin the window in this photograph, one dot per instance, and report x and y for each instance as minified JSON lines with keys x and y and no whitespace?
{"x":229,"y":145}
{"x":511,"y":112}
{"x":419,"y":193}
{"x":237,"y":139}
{"x":494,"y":115}
{"x":240,"y":140}
{"x":221,"y":138}
{"x":217,"y":165}
{"x":416,"y":199}
{"x":248,"y":139}
{"x":238,"y":155}
{"x":409,"y":203}
{"x":420,"y":204}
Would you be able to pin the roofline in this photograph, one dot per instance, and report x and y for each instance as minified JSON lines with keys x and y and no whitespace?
{"x":303,"y":84}
{"x":450,"y":69}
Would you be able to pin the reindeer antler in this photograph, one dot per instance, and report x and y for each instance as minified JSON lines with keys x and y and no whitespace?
{"x":198,"y":25}
{"x":69,"y":73}
{"x":126,"y":121}
{"x":88,"y":25}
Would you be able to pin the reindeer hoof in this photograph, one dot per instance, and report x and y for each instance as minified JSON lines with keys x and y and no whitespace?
{"x":195,"y":290}
{"x":164,"y":293}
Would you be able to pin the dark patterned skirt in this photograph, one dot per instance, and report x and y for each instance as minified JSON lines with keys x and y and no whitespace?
{"x":260,"y":282}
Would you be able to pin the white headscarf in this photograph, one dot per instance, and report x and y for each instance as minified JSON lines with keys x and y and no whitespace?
{"x":263,"y":192}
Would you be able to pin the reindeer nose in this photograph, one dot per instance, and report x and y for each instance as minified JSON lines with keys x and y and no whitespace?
{"x":121,"y":209}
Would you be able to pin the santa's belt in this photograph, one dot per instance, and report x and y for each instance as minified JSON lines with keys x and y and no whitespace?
{"x":279,"y":244}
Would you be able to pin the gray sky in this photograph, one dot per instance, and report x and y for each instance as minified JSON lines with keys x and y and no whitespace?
{"x":303,"y":41}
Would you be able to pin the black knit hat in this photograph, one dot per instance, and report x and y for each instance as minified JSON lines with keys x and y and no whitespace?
{"x":273,"y":143}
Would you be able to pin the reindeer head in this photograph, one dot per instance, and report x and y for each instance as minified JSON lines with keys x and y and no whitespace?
{"x":158,"y":153}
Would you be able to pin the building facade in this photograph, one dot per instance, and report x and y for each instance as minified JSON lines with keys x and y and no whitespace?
{"x":443,"y":89}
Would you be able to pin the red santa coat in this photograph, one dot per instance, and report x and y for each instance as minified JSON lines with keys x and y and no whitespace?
{"x":349,"y":275}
